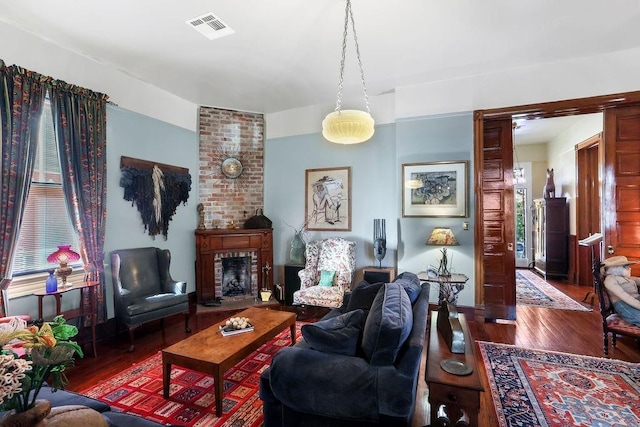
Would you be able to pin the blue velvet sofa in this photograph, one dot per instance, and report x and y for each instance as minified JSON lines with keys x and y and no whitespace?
{"x":358,"y":366}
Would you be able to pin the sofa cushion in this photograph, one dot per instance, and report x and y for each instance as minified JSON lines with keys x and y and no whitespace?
{"x":363,"y":294}
{"x":411,"y":284}
{"x":326,"y":278}
{"x":339,"y":334}
{"x":388,"y":325}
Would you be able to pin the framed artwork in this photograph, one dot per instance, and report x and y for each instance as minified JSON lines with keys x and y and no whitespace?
{"x":437,"y":189}
{"x":328,"y":199}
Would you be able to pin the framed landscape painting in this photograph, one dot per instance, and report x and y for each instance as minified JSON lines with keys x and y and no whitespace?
{"x":437,"y":189}
{"x":328,"y":199}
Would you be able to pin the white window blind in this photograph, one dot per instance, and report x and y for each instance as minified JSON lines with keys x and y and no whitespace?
{"x":45,"y":223}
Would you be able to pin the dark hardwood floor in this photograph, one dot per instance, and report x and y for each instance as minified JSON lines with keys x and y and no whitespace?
{"x":557,"y":330}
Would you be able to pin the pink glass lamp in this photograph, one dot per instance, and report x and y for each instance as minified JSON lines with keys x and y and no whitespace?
{"x":63,"y":255}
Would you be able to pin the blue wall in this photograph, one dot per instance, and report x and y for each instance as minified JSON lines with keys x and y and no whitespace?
{"x":134,"y":135}
{"x":376,"y":183}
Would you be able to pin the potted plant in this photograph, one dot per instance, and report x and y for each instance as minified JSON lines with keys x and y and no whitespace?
{"x":30,"y":356}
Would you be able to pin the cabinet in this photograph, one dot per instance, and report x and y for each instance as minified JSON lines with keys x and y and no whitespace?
{"x":291,"y":281}
{"x":551,"y":236}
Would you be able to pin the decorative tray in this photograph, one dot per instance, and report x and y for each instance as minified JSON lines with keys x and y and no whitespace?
{"x":456,"y":367}
{"x":236,"y":325}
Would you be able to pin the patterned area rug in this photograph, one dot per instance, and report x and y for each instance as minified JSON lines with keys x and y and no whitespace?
{"x":540,"y":388}
{"x":532,"y":290}
{"x":192,"y":402}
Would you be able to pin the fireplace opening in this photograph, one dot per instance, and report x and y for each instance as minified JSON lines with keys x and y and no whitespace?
{"x":236,"y":276}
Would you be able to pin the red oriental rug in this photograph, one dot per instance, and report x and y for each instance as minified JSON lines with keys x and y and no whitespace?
{"x":191,"y":402}
{"x":542,"y":388}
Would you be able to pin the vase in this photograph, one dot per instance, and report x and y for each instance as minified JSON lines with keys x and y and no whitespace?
{"x":52,"y":283}
{"x":296,"y":253}
{"x":32,"y":417}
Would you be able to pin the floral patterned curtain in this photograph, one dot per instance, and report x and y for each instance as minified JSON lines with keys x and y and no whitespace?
{"x":79,"y":118}
{"x":21,"y":102}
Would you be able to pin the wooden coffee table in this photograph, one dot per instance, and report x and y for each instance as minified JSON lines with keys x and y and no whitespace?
{"x":210,"y":352}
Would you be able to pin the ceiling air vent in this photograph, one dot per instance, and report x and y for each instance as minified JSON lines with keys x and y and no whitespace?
{"x":210,"y":26}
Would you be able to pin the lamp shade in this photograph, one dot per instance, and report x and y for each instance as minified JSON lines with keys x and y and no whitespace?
{"x":63,"y":255}
{"x":442,"y":236}
{"x":348,"y":127}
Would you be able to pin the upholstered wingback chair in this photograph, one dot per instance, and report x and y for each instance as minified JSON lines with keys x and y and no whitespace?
{"x":328,"y":273}
{"x":143,"y":289}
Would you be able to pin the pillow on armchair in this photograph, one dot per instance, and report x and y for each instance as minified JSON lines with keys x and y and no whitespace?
{"x":326,"y":278}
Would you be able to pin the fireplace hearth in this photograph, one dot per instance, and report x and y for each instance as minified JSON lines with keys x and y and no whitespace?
{"x":213,"y":282}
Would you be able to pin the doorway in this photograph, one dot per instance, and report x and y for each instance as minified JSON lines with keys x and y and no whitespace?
{"x":523,"y":202}
{"x":495,"y":287}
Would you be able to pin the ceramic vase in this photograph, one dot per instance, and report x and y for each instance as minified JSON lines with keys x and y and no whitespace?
{"x":296,"y":253}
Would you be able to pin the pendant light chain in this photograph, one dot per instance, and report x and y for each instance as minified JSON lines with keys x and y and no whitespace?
{"x":349,"y":15}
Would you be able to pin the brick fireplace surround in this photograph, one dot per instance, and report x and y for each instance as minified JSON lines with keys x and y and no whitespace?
{"x":213,"y":245}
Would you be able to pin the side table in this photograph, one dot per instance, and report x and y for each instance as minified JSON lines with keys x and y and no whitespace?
{"x":457,"y":395}
{"x":379,"y":274}
{"x":79,"y":312}
{"x":450,"y":286}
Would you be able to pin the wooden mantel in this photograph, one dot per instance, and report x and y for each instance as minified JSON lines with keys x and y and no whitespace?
{"x":215,"y":241}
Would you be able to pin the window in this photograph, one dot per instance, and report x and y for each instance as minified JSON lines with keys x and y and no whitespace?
{"x":45,"y":223}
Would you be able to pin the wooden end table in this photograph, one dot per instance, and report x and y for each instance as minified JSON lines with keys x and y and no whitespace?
{"x":81,"y":311}
{"x":457,"y":393}
{"x":210,"y":352}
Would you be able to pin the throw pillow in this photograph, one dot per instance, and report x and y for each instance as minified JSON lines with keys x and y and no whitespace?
{"x":339,"y":334}
{"x":326,"y":278}
{"x":363,"y":294}
{"x":388,"y":325}
{"x":411,"y":284}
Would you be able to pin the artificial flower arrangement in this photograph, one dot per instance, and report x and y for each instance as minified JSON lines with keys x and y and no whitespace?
{"x":29,"y":356}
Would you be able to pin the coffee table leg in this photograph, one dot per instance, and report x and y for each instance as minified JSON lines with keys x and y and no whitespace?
{"x":166,"y":378}
{"x":293,"y":333}
{"x":219,"y":389}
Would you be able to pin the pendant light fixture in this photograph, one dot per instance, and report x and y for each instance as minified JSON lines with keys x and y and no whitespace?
{"x":349,"y":126}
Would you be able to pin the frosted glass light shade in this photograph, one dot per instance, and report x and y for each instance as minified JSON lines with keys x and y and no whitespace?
{"x":348,"y":127}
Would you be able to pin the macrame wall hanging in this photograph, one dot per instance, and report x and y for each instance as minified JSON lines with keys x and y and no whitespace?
{"x":156,"y":190}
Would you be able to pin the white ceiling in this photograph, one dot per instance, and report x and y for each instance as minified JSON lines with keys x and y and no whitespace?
{"x":285,"y":53}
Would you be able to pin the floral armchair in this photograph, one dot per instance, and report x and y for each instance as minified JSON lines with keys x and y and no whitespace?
{"x":328,"y":273}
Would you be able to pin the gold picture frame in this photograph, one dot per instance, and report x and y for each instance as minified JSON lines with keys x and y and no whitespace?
{"x":436,"y":189}
{"x":328,"y":199}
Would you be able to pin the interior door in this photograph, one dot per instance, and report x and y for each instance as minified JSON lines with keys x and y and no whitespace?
{"x":621,"y":206}
{"x":498,"y":226}
{"x":588,"y":190}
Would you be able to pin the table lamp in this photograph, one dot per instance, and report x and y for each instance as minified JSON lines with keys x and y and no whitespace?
{"x":442,"y":236}
{"x":63,"y":255}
